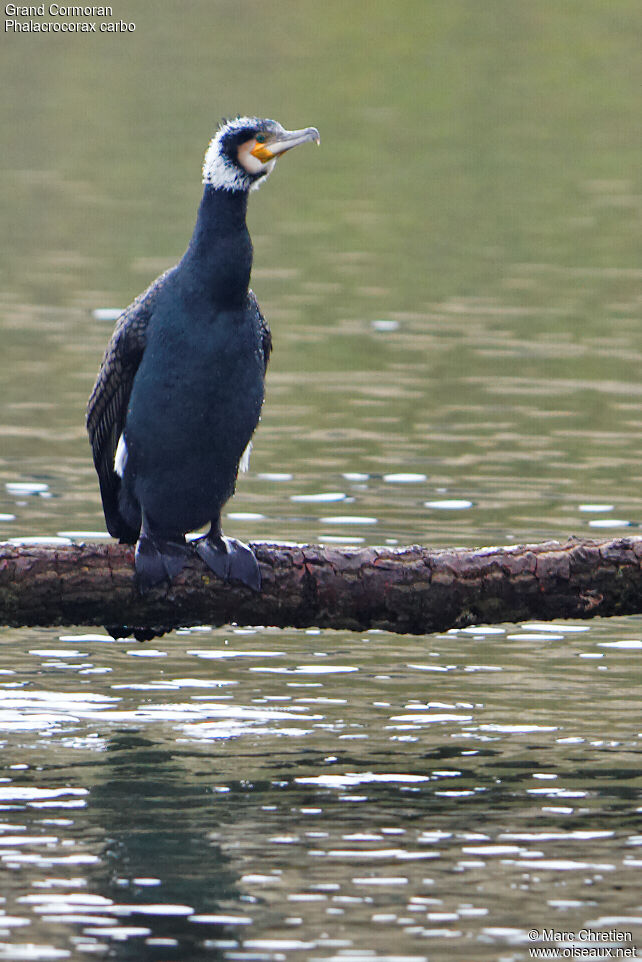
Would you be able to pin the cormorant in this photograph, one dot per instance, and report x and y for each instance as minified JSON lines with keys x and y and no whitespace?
{"x":180,"y":389}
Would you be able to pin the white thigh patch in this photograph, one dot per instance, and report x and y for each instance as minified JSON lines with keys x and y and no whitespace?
{"x":120,"y":460}
{"x":244,"y":463}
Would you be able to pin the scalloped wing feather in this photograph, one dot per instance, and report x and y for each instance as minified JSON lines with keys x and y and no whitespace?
{"x":107,"y":407}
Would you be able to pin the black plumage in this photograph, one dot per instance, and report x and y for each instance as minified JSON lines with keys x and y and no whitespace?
{"x":181,"y":385}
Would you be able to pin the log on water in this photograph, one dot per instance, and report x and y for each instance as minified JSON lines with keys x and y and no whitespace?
{"x":409,"y":590}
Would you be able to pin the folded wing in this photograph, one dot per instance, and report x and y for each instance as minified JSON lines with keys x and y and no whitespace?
{"x":107,"y":408}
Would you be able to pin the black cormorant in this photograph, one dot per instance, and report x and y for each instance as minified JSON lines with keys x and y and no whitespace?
{"x":180,"y":389}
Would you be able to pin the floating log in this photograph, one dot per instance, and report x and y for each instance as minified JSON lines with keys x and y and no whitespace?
{"x":411,"y":590}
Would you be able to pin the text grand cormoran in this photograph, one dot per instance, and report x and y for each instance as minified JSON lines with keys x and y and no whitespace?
{"x":56,"y":10}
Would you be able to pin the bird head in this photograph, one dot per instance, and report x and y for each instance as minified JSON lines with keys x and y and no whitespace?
{"x":244,"y":151}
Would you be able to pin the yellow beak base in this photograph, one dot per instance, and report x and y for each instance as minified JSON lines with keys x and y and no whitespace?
{"x":262,"y":153}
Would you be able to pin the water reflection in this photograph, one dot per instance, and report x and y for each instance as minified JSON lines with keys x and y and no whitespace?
{"x":179,"y":817}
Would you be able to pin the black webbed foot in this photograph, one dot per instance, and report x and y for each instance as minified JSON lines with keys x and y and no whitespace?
{"x":158,"y":560}
{"x":230,"y":559}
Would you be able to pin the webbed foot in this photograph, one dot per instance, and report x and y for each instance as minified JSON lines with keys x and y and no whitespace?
{"x":158,"y":560}
{"x":230,"y":559}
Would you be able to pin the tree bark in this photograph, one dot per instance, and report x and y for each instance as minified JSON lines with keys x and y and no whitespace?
{"x":409,"y":590}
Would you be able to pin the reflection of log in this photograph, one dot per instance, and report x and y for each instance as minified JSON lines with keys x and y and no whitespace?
{"x":407,"y":590}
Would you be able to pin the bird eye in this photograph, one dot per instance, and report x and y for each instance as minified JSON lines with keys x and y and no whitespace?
{"x":261,"y":138}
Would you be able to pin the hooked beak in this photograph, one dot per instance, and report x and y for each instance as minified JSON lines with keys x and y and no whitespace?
{"x":283,"y":141}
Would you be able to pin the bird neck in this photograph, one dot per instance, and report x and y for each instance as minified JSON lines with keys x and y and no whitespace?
{"x":220,"y":251}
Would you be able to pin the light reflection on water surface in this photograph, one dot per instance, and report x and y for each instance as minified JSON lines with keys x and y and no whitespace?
{"x":228,"y":795}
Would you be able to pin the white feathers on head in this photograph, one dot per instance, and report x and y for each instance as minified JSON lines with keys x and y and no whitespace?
{"x":228,"y":173}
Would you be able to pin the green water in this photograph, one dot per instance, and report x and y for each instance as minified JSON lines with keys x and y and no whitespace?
{"x":454,"y":285}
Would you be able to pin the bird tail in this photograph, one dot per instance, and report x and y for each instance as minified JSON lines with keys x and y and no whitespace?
{"x":122,"y":513}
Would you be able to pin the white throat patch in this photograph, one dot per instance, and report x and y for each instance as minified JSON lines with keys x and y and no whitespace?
{"x":223,"y":173}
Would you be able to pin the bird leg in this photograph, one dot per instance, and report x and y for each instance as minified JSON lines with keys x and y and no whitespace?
{"x":157,"y":558}
{"x":228,"y":558}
